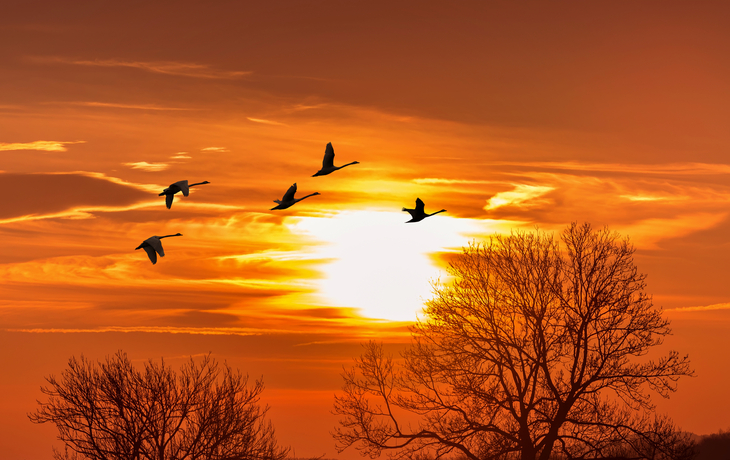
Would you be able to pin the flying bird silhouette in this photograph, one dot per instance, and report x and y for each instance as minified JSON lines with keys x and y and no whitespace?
{"x":419,"y":213}
{"x":153,"y":246}
{"x":179,"y":186}
{"x":289,"y":199}
{"x":328,"y":165}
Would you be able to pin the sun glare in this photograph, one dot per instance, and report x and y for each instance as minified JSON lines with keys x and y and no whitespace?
{"x":381,"y":265}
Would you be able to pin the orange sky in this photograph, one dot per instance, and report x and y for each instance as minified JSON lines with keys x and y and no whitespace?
{"x":509,"y":116}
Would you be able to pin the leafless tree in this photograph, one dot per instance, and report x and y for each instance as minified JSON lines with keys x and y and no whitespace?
{"x":114,"y":410}
{"x":534,"y":351}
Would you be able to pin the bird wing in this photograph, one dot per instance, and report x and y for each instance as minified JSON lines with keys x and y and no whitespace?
{"x":329,"y":156}
{"x":156,"y":245}
{"x":420,"y":207}
{"x":150,"y":253}
{"x":289,"y":195}
{"x":183,"y":186}
{"x":168,"y":200}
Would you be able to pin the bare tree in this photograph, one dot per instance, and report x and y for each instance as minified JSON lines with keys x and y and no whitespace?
{"x":532,"y":352}
{"x":115,"y":411}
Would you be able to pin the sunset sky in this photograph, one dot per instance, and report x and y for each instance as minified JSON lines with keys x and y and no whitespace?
{"x":510,"y":116}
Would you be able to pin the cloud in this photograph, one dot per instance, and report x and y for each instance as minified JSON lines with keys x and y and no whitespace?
{"x":214,"y":149}
{"x":648,"y":233}
{"x":152,"y":188}
{"x":150,"y":329}
{"x":185,"y":69}
{"x":717,"y":306}
{"x":266,"y":122}
{"x":12,"y":108}
{"x":144,"y":166}
{"x":437,"y":181}
{"x":44,"y":195}
{"x":181,"y":156}
{"x":651,"y":197}
{"x":684,"y":169}
{"x":521,"y":194}
{"x":128,"y":106}
{"x":46,"y":146}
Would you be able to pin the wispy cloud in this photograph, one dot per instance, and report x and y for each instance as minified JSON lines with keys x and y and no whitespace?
{"x":113,"y":105}
{"x":45,"y":146}
{"x":79,"y":213}
{"x":154,"y":188}
{"x":648,"y":233}
{"x":181,"y":156}
{"x":522,"y":194}
{"x":685,"y":169}
{"x":186,"y":69}
{"x":652,"y":198}
{"x":265,"y":122}
{"x":271,"y":255}
{"x":214,"y":149}
{"x":144,"y":166}
{"x":717,"y":306}
{"x":437,"y":181}
{"x":153,"y":329}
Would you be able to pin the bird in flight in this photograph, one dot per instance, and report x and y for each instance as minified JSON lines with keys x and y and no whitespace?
{"x":289,"y":199}
{"x":419,"y":213}
{"x":153,"y":246}
{"x":328,"y":165}
{"x":179,"y":186}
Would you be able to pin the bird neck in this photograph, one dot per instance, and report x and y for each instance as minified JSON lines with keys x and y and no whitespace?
{"x":348,"y":164}
{"x":198,"y":183}
{"x":433,"y":214}
{"x":166,"y":236}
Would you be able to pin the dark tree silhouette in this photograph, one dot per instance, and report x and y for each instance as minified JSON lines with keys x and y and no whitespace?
{"x":534,"y":351}
{"x":114,"y":410}
{"x":714,"y":447}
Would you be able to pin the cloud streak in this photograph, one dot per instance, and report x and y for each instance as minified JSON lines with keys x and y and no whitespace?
{"x":521,"y":195}
{"x":440,"y":181}
{"x":214,"y":149}
{"x":713,"y":307}
{"x":184,"y":69}
{"x":265,"y":122}
{"x":150,"y":167}
{"x":113,"y":105}
{"x":44,"y":146}
{"x":684,"y":169}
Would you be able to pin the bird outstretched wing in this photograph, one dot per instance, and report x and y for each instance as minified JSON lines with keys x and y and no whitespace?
{"x":168,"y":200}
{"x":156,"y":244}
{"x":420,"y":207}
{"x":289,"y":195}
{"x":183,"y":186}
{"x":150,"y":253}
{"x":329,"y":156}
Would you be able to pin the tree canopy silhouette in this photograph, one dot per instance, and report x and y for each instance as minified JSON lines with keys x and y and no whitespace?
{"x":534,"y":351}
{"x":114,"y":410}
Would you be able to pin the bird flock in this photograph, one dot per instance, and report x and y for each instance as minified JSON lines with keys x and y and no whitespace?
{"x":153,"y":246}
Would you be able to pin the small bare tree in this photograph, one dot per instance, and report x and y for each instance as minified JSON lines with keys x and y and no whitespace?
{"x":533,"y":352}
{"x":116,"y":411}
